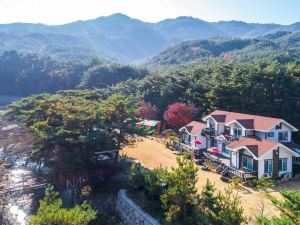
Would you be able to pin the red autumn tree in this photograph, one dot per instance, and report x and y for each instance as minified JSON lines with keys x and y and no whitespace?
{"x":178,"y":115}
{"x":147,"y":111}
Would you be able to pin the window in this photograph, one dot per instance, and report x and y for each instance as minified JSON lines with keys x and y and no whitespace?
{"x":224,"y":149}
{"x":247,"y":162}
{"x":270,"y":134}
{"x":186,"y":138}
{"x":237,"y":133}
{"x":278,"y":127}
{"x":283,"y":136}
{"x":282,"y":165}
{"x":268,"y":166}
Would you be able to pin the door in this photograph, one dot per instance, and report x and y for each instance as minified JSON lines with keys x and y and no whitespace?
{"x":234,"y":159}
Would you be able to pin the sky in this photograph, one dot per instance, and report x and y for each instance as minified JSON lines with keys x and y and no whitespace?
{"x":65,"y":11}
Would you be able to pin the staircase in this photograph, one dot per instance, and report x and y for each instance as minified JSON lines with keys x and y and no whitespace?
{"x":220,"y":167}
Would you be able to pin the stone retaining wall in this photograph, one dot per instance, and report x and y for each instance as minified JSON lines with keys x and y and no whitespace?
{"x":131,"y":213}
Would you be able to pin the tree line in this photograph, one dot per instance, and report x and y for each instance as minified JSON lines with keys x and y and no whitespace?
{"x":24,"y":74}
{"x":263,"y":88}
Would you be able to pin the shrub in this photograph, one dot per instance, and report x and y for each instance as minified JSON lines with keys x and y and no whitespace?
{"x":187,"y":155}
{"x":155,"y":182}
{"x":263,"y":184}
{"x":167,"y":144}
{"x":51,"y":212}
{"x":235,"y":181}
{"x":137,"y":180}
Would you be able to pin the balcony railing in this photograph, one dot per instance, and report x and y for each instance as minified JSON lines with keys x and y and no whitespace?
{"x":208,"y":131}
{"x":181,"y":146}
{"x":223,"y":169}
{"x":242,"y":174}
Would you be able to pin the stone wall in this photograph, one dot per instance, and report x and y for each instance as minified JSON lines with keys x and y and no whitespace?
{"x":131,"y":213}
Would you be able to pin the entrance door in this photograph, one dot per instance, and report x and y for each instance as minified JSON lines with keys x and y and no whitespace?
{"x":234,"y":159}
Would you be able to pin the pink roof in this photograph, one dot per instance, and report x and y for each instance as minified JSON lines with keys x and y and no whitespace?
{"x":256,"y":145}
{"x":246,"y":120}
{"x":195,"y":127}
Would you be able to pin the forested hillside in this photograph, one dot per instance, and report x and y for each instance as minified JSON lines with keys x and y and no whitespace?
{"x":26,"y":74}
{"x":262,"y":88}
{"x":122,"y":38}
{"x":281,"y":46}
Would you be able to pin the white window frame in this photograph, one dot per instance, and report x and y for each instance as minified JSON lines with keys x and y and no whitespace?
{"x":268,"y":166}
{"x":283,"y":133}
{"x":281,"y":164}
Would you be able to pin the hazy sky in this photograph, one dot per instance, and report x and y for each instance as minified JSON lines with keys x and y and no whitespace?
{"x":64,"y":11}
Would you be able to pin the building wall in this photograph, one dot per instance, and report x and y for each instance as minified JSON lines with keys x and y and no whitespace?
{"x":275,"y":138}
{"x":221,"y":128}
{"x":282,"y":154}
{"x":284,"y":127}
{"x":236,"y":125}
{"x":192,"y":138}
{"x":211,"y":121}
{"x":202,"y":139}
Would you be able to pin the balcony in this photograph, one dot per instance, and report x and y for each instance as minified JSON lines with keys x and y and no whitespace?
{"x":222,"y":166}
{"x":209,"y":132}
{"x":178,"y":146}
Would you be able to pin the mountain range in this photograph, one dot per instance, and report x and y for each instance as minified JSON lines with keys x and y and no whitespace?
{"x":281,"y":46}
{"x":119,"y":37}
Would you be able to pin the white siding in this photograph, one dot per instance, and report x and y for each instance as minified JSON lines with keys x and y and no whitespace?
{"x":283,"y":128}
{"x":233,"y":125}
{"x":234,"y":160}
{"x":283,"y":153}
{"x":215,"y":125}
{"x":221,"y":129}
{"x":202,"y":139}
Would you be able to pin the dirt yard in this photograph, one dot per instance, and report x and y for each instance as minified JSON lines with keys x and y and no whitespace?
{"x":153,"y":153}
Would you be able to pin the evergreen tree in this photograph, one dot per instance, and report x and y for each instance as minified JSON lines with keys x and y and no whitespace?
{"x":289,"y":208}
{"x":51,"y":212}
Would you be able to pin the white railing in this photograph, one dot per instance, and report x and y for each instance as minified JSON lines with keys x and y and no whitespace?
{"x":182,"y":147}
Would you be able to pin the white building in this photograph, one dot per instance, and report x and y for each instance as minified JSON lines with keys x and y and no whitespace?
{"x":256,"y":145}
{"x":192,"y":132}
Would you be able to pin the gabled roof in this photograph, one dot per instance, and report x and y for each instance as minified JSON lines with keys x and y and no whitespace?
{"x":194,"y":127}
{"x":292,"y":145}
{"x":246,"y":120}
{"x":255,"y":145}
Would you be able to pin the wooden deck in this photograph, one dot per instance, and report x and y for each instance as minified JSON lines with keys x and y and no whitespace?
{"x":222,"y":166}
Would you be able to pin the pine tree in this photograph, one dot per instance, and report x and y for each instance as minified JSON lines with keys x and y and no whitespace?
{"x":289,"y":208}
{"x":51,"y":212}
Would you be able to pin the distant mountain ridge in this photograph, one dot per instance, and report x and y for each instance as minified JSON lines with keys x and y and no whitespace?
{"x":121,"y":37}
{"x":281,"y":46}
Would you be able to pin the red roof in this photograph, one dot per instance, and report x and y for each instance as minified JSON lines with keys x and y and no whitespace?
{"x":256,"y":145}
{"x":195,"y":127}
{"x":246,"y":120}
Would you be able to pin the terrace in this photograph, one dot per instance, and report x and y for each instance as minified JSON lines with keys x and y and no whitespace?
{"x":222,"y":166}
